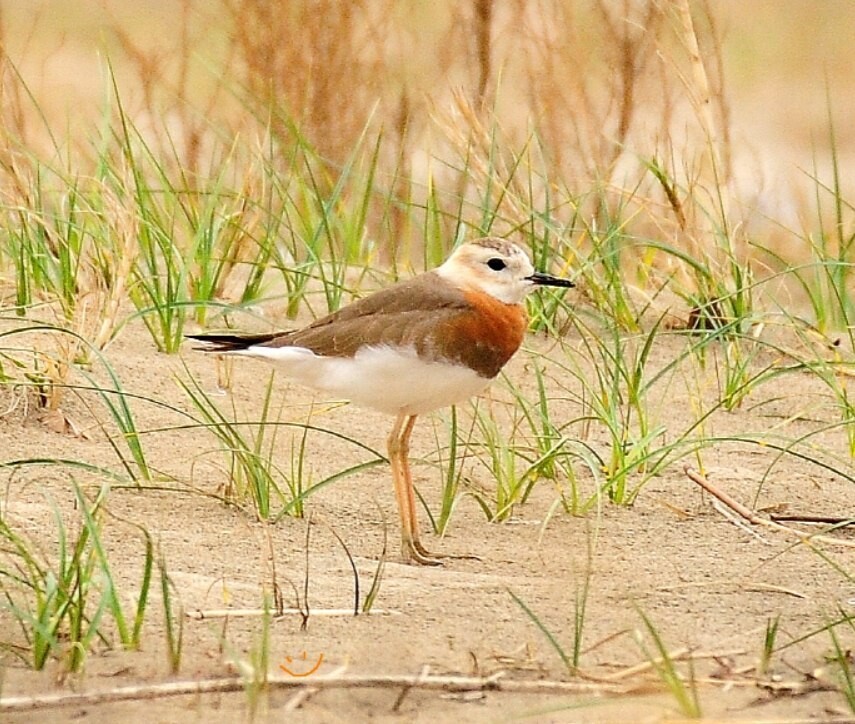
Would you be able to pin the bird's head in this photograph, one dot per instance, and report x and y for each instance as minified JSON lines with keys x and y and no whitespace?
{"x":497,"y":267}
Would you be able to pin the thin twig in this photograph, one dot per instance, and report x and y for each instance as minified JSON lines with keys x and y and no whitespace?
{"x":629,"y":671}
{"x":738,"y":522}
{"x":682,"y":654}
{"x":752,"y":517}
{"x":303,"y":695}
{"x":817,"y":519}
{"x":299,"y":698}
{"x":201,"y":615}
{"x":405,"y":690}
{"x":494,"y":682}
{"x":746,"y":585}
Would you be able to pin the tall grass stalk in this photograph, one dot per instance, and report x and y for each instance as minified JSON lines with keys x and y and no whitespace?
{"x":451,"y":467}
{"x":254,"y":475}
{"x":685,"y":694}
{"x":618,"y":399}
{"x":843,"y":659}
{"x":114,"y":398}
{"x":572,"y":661}
{"x":173,"y":617}
{"x":826,"y":278}
{"x":62,"y":608}
{"x":566,"y":659}
{"x":552,"y":452}
{"x":769,"y":640}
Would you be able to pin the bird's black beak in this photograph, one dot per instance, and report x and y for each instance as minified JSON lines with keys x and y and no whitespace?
{"x":545,"y":280}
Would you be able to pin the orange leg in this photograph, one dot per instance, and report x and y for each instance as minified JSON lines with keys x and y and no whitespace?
{"x":410,"y":490}
{"x":399,"y":450}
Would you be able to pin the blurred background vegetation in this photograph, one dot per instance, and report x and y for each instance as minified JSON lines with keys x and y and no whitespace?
{"x":585,"y":75}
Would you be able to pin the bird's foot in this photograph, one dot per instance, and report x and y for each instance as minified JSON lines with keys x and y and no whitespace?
{"x":415,"y":552}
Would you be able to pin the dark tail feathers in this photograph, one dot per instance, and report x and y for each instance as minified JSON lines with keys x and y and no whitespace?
{"x":229,"y":342}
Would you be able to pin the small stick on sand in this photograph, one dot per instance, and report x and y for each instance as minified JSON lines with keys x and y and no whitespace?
{"x":681,"y":654}
{"x":816,"y":519}
{"x":201,"y":615}
{"x":495,"y":682}
{"x":752,"y":517}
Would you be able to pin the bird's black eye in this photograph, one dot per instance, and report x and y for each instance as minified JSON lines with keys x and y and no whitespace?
{"x":496,"y":264}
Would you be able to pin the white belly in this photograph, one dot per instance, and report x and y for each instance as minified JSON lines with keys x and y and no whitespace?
{"x":388,"y":379}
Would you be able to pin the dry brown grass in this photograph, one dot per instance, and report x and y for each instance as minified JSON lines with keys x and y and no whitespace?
{"x":314,"y":68}
{"x":590,"y":79}
{"x":585,"y":90}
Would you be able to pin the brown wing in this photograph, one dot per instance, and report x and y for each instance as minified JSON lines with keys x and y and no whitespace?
{"x":396,"y":315}
{"x":438,"y":321}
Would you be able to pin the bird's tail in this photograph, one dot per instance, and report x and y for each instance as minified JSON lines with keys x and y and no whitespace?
{"x":229,"y":342}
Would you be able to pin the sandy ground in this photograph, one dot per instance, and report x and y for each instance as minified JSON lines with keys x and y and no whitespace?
{"x":706,"y":583}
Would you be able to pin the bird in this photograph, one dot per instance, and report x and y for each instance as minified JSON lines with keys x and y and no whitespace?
{"x":419,"y":345}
